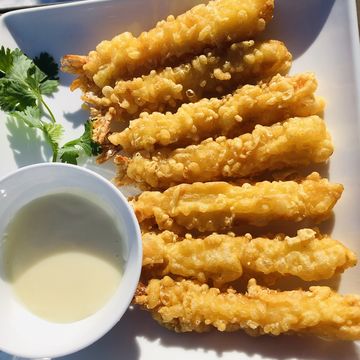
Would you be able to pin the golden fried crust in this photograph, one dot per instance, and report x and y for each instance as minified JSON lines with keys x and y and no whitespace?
{"x":101,"y":122}
{"x":214,"y":73}
{"x":283,"y":97}
{"x":214,"y":206}
{"x":296,"y":142}
{"x":190,"y":33}
{"x":186,"y":306}
{"x":223,"y":258}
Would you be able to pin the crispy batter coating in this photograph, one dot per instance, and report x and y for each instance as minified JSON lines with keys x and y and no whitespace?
{"x":214,"y":206}
{"x":187,"y":306}
{"x":212,"y":74}
{"x":203,"y":26}
{"x":101,"y":122}
{"x":295,"y":142}
{"x":223,"y":258}
{"x":283,"y":97}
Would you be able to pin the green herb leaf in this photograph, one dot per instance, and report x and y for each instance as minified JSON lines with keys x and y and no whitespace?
{"x":70,"y":151}
{"x":18,"y":86}
{"x":54,"y":131}
{"x":31,"y":116}
{"x":69,"y":154}
{"x":14,"y":96}
{"x":48,"y":87}
{"x":6,"y":60}
{"x":34,"y":78}
{"x":20,"y":68}
{"x":22,"y":86}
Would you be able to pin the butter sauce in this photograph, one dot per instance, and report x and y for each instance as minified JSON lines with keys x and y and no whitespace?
{"x":63,"y":257}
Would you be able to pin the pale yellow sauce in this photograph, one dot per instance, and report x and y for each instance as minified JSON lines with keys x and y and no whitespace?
{"x":63,"y":257}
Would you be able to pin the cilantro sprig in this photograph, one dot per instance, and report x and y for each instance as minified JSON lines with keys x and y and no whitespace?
{"x":23,"y":85}
{"x":70,"y":151}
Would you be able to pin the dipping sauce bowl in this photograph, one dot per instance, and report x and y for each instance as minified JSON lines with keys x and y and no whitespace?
{"x":24,"y":334}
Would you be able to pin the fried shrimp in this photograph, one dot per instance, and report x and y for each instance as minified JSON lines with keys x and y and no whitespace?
{"x":187,"y":306}
{"x":265,"y":104}
{"x":297,"y":141}
{"x":203,"y":26}
{"x":215,"y":206}
{"x":212,"y":74}
{"x":223,"y":258}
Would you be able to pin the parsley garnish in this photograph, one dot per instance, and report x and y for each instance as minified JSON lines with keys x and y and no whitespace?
{"x":23,"y":83}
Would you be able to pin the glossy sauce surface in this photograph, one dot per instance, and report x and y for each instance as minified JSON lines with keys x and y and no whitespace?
{"x":63,"y":257}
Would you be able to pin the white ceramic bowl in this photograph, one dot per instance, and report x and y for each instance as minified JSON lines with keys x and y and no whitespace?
{"x":22,"y":333}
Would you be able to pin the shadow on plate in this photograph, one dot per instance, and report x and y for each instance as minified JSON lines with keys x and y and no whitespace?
{"x":77,"y":118}
{"x":65,"y":79}
{"x":122,"y":343}
{"x":301,"y":23}
{"x":28,"y":146}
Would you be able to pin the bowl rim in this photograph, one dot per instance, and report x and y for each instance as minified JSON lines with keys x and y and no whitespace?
{"x":136,"y":268}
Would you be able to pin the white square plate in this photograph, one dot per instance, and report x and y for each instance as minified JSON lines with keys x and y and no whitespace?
{"x":321,"y":34}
